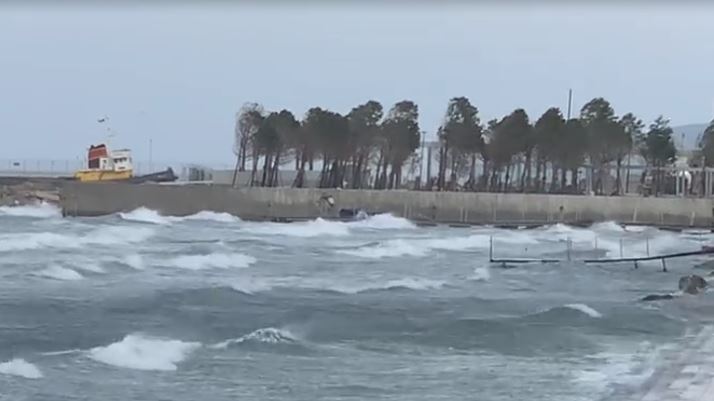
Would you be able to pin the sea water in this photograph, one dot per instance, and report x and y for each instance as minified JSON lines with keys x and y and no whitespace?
{"x":140,"y":306}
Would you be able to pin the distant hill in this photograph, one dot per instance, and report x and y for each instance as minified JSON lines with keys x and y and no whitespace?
{"x":690,"y":133}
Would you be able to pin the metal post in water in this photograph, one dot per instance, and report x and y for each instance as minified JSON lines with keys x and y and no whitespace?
{"x":664,"y":265}
{"x":568,"y":245}
{"x":490,"y":249}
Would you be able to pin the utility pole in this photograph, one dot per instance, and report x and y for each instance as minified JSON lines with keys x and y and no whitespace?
{"x":570,"y":101}
{"x":421,"y":161}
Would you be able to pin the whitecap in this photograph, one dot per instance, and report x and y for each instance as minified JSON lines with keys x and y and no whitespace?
{"x":58,"y":272}
{"x":308,"y":229}
{"x":20,"y":367}
{"x":207,"y":215}
{"x":417,"y":246}
{"x":480,"y":274}
{"x":107,"y":235}
{"x":584,"y":309}
{"x":268,"y":335}
{"x":251,"y":287}
{"x":387,"y":249}
{"x":212,"y":260}
{"x":136,"y":351}
{"x":40,"y":210}
{"x":384,"y":221}
{"x":409,"y":283}
{"x":145,"y":215}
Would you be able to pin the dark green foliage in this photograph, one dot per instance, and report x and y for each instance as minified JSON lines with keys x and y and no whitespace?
{"x":366,"y":148}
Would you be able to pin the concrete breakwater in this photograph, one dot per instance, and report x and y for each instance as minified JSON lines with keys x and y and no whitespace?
{"x":94,"y":199}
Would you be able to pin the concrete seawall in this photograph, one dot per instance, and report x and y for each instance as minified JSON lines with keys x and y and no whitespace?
{"x":84,"y":199}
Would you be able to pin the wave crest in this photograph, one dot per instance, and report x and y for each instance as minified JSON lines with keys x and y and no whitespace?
{"x":107,"y":235}
{"x":58,"y":272}
{"x":384,"y":221}
{"x":212,"y":260}
{"x":40,"y":211}
{"x":268,"y":335}
{"x":20,"y":367}
{"x":144,"y":353}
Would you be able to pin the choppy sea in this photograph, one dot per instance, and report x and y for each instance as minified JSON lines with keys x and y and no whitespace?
{"x":139,"y":306}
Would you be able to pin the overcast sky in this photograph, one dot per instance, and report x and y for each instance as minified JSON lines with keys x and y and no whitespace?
{"x":178,"y":74}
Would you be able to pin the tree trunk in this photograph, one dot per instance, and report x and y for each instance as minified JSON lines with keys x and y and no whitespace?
{"x":300,"y":176}
{"x":276,"y":167}
{"x":526,"y":172}
{"x":545,"y":174}
{"x":266,"y":169}
{"x":618,"y":181}
{"x":508,"y":177}
{"x":243,"y":153}
{"x":254,"y":171}
{"x":472,"y":173}
{"x":554,"y":177}
{"x":563,"y":178}
{"x":483,"y":185}
{"x":574,"y":180}
{"x":538,"y":165}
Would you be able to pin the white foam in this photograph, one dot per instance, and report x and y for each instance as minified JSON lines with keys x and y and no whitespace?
{"x":145,"y":215}
{"x":415,"y":283}
{"x":384,"y":221}
{"x":134,"y":261}
{"x":630,"y":366}
{"x":40,"y":210}
{"x":268,"y":335}
{"x":58,"y":272}
{"x":136,"y":351}
{"x":20,"y":367}
{"x":585,"y":309}
{"x":207,"y":215}
{"x":610,"y":226}
{"x":417,"y":246}
{"x":212,"y":260}
{"x":481,"y":274}
{"x":308,"y":229}
{"x":387,"y":249}
{"x":251,"y":286}
{"x":410,"y":283}
{"x":107,"y":235}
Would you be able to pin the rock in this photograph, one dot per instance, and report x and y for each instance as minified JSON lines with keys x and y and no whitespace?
{"x":692,"y":284}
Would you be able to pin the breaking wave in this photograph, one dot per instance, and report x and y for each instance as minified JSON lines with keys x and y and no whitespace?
{"x":387,"y":249}
{"x":481,"y":274}
{"x":20,"y":367}
{"x":417,"y":246}
{"x":207,"y":215}
{"x":253,"y":286}
{"x":308,"y":229}
{"x":145,"y":215}
{"x":40,"y":210}
{"x":212,"y":260}
{"x":567,"y":312}
{"x":384,"y":221}
{"x":585,"y":309}
{"x":58,"y":272}
{"x":268,"y":335}
{"x":107,"y":235}
{"x":136,"y":351}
